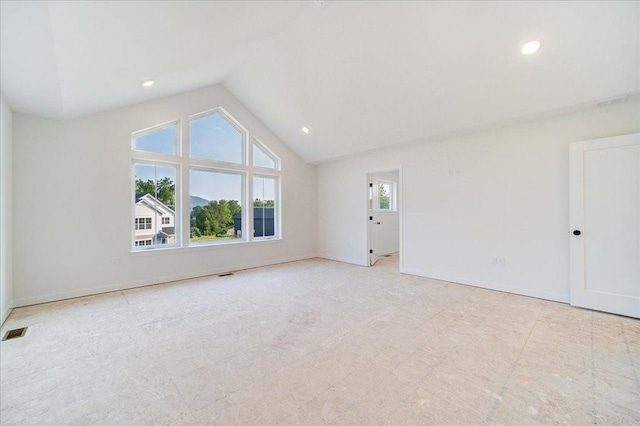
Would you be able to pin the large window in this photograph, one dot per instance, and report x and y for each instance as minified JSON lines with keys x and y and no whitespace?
{"x":212,"y":172}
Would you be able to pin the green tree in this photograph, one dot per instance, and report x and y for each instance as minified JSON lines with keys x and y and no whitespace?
{"x":213,"y":219}
{"x":235,"y":207}
{"x":145,"y":187}
{"x":165,"y":193}
{"x":263,"y":203}
{"x":384,"y":198}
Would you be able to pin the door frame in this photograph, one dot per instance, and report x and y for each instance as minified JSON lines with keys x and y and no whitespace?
{"x":399,"y":206}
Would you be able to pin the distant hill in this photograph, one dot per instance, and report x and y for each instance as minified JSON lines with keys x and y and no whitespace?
{"x":197,"y":201}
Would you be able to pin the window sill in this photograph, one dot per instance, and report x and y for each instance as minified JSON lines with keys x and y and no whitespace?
{"x":177,"y":249}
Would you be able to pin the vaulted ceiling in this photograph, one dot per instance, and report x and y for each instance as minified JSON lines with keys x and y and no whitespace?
{"x":360,"y":75}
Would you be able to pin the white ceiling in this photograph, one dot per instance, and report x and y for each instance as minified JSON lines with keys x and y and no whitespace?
{"x":361,"y":75}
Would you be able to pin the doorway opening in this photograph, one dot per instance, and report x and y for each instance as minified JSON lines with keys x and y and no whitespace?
{"x":384,"y":218}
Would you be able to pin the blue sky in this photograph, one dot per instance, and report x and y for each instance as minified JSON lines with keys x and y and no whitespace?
{"x":162,"y":141}
{"x":215,"y":186}
{"x":154,"y":173}
{"x":261,"y":159}
{"x":213,"y":138}
{"x":264,"y":188}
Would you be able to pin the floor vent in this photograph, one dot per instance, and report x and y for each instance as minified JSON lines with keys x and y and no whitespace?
{"x":225,"y":275}
{"x":14,"y":334}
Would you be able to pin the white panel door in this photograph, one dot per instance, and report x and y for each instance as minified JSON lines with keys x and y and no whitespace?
{"x":605,"y":224}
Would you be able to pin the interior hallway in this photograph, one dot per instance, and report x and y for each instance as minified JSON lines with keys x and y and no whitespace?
{"x":316,"y":342}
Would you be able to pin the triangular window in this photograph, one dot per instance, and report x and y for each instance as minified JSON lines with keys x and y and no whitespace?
{"x":263,"y":158}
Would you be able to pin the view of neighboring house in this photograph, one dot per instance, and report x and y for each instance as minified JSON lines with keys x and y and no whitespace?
{"x":154,"y":222}
{"x":263,"y":222}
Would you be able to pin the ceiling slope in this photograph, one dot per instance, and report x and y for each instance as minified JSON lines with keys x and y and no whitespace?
{"x":366,"y":76}
{"x":360,"y":75}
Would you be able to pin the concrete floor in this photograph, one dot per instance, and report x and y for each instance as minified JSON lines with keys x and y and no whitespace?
{"x":318,"y":342}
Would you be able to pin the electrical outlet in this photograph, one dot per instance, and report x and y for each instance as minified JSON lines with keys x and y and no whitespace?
{"x":494,"y":260}
{"x":501,"y":261}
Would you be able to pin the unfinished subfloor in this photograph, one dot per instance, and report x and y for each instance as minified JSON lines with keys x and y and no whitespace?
{"x":318,"y":342}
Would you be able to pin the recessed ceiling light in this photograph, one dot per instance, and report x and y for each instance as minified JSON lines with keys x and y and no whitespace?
{"x":306,"y":130}
{"x":147,"y":83}
{"x":530,"y":48}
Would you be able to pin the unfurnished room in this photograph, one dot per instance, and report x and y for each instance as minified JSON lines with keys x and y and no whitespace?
{"x":319,"y":212}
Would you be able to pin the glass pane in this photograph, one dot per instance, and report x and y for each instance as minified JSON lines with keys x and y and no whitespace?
{"x":214,"y":138}
{"x":155,"y":218}
{"x":215,"y":206}
{"x":162,"y":141}
{"x":262,"y":159}
{"x":264,"y":207}
{"x":385,"y":196}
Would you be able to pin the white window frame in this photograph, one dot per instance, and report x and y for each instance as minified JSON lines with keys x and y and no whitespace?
{"x":276,"y":210}
{"x":235,"y":124}
{"x":393,"y":204}
{"x":243,"y":175}
{"x":153,"y":129}
{"x":183,"y":163}
{"x":160,"y":160}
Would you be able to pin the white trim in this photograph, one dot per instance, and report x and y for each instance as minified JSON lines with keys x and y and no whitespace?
{"x":555,"y":297}
{"x":336,"y":259}
{"x":6,"y":313}
{"x":143,"y":283}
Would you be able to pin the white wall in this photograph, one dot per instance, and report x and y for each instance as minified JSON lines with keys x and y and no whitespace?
{"x":509,"y":198}
{"x":71,"y":175}
{"x":387,"y":238}
{"x":6,"y":274}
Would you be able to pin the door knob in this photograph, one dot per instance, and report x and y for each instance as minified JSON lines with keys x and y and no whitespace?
{"x":576,"y":232}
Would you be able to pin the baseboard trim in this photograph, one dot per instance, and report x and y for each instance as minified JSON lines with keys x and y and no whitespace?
{"x":6,"y":314}
{"x":555,"y":297}
{"x":55,"y":297}
{"x":335,"y":259}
